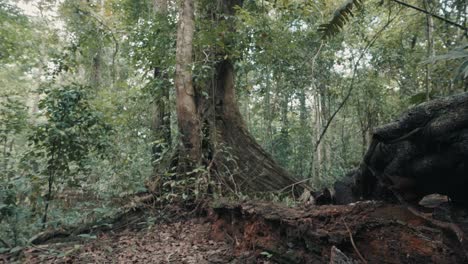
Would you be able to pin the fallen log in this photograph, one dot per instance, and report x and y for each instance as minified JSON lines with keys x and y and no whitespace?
{"x":365,"y":232}
{"x":424,"y":152}
{"x":128,"y":215}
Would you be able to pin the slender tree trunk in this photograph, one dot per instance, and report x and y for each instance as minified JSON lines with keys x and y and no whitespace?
{"x":363,"y":118}
{"x":5,"y":159}
{"x":96,"y":68}
{"x":188,"y":121}
{"x":317,"y":162}
{"x":268,"y":115}
{"x":48,"y":197}
{"x":95,"y":79}
{"x":102,"y":8}
{"x":247,"y":109}
{"x":284,"y":144}
{"x":304,"y":141}
{"x":161,"y":121}
{"x":430,"y":48}
{"x":324,"y":110}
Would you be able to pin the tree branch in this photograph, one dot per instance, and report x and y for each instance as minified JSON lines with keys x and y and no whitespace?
{"x":431,"y":14}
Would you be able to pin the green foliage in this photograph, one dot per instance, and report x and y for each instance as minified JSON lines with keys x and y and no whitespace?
{"x":151,"y":47}
{"x":73,"y":128}
{"x":14,"y":218}
{"x":458,"y":53}
{"x":14,"y":29}
{"x":13,"y":120}
{"x":340,"y":18}
{"x":13,"y":116}
{"x":289,"y":84}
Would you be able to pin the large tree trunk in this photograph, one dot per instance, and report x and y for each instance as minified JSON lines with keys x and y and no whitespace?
{"x":188,"y":120}
{"x":233,"y":158}
{"x":239,"y":161}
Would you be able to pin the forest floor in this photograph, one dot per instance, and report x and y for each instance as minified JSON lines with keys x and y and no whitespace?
{"x":261,"y":232}
{"x":186,"y":241}
{"x":181,"y":238}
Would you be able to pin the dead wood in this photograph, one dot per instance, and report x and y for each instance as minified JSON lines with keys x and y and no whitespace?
{"x":423,"y":152}
{"x":338,"y":257}
{"x":384,"y":233}
{"x":127,"y":216}
{"x":354,"y":244}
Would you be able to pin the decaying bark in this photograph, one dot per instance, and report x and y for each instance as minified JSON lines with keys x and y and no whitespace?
{"x":424,"y":152}
{"x":365,"y":232}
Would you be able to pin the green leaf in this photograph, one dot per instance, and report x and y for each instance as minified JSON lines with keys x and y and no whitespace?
{"x":266,"y":254}
{"x":340,"y":18}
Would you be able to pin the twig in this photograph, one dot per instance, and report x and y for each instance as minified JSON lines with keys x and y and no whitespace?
{"x":292,"y":185}
{"x":352,"y":242}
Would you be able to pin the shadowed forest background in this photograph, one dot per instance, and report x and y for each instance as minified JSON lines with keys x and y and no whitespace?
{"x":89,"y":115}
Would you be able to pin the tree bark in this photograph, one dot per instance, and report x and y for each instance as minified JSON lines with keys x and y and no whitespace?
{"x":268,"y":116}
{"x":188,"y":120}
{"x":430,"y":48}
{"x":232,"y":156}
{"x":306,"y":139}
{"x":371,"y":232}
{"x":241,"y":163}
{"x":425,"y":151}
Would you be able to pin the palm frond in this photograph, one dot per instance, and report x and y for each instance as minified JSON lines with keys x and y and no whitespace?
{"x":458,"y":53}
{"x":340,"y":17}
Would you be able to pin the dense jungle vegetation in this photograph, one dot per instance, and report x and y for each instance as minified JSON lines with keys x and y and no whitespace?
{"x":104,"y":99}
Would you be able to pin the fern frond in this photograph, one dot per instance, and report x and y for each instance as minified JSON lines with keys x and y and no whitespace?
{"x":340,"y":17}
